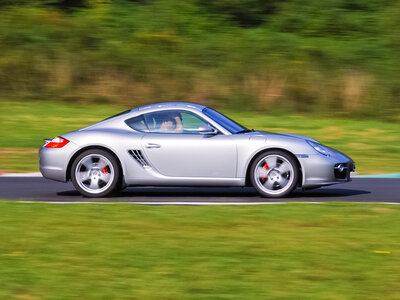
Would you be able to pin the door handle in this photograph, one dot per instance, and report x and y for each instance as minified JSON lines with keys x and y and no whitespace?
{"x":152,"y":145}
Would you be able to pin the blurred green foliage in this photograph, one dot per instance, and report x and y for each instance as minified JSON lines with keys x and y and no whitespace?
{"x":336,"y":57}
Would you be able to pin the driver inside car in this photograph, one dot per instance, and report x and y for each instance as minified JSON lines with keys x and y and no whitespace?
{"x":172,"y":123}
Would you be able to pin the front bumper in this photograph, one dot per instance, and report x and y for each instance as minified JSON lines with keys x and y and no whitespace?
{"x":319,"y":170}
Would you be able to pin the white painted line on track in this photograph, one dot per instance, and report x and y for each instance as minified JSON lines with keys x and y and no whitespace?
{"x":163,"y":203}
{"x":208,"y":203}
{"x":198,"y":203}
{"x":34,"y":174}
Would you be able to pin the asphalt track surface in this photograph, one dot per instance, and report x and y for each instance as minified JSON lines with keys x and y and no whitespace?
{"x":385,"y":190}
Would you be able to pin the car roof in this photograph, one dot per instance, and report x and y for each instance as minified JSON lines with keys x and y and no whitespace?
{"x":171,"y":105}
{"x":152,"y":107}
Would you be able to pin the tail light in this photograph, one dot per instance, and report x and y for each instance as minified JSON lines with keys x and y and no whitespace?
{"x":57,"y":142}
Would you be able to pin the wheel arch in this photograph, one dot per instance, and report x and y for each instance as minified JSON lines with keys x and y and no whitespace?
{"x":300,"y":179}
{"x":77,"y":153}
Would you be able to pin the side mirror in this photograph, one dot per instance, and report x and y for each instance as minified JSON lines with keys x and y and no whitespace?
{"x":207,"y":129}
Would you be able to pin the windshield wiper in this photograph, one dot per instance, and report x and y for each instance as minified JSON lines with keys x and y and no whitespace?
{"x":245,"y":130}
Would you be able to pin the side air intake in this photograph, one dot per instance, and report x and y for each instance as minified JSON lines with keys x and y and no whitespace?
{"x":138,"y":156}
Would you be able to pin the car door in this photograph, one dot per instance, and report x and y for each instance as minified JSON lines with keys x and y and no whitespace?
{"x":185,"y":152}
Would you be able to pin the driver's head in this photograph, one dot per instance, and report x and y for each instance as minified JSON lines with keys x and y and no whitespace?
{"x":167,"y":122}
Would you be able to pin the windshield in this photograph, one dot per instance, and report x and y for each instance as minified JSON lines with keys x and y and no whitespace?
{"x":225,"y":122}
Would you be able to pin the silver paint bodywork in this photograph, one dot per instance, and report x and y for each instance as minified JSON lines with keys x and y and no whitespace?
{"x":187,"y":159}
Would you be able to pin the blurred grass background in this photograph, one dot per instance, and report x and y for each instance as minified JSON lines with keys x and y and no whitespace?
{"x":374,"y":145}
{"x":328,"y":69}
{"x":127,"y":251}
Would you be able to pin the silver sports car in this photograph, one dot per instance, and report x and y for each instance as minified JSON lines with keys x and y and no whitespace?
{"x":186,"y":144}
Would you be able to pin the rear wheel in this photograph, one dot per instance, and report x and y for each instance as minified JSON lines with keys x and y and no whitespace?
{"x":95,"y":173}
{"x":274,"y":174}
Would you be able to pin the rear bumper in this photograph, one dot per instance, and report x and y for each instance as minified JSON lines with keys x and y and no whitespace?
{"x":320,"y":171}
{"x":53,"y":162}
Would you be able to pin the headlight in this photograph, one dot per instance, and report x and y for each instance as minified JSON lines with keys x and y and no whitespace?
{"x":320,"y":148}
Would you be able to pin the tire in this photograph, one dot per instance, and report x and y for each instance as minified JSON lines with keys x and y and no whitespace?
{"x":274,"y":174}
{"x":96,"y":173}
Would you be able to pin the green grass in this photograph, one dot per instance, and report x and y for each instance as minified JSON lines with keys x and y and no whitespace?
{"x":126,"y":251}
{"x":375,"y":146}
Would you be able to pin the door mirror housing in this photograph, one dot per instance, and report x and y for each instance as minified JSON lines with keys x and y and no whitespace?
{"x":207,"y":129}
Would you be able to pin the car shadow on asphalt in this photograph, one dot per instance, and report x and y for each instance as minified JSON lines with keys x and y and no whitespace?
{"x":202,"y":193}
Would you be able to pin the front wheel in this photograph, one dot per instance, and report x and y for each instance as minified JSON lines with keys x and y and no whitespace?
{"x":274,"y":174}
{"x":95,"y":173}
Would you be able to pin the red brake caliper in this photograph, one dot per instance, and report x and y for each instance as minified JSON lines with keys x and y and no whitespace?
{"x":266,"y":168}
{"x":104,"y":170}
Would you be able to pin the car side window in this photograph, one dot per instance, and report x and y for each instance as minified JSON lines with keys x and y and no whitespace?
{"x":191,"y":123}
{"x":137,"y":123}
{"x":167,"y":121}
